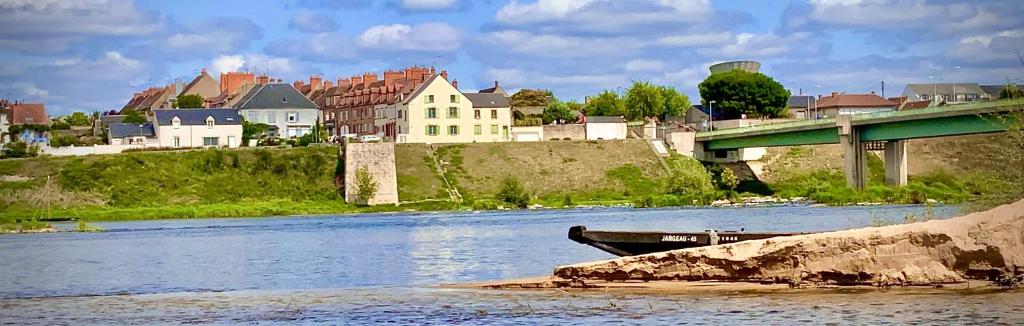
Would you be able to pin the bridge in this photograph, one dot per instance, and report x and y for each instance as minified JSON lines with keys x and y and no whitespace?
{"x":888,"y":131}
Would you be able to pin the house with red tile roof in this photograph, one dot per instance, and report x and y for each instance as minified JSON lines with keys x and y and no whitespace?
{"x":28,"y":115}
{"x":845,"y":104}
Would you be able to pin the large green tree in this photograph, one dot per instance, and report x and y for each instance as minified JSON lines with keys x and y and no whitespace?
{"x":675,"y":103}
{"x":531,"y":97}
{"x":644,"y":99}
{"x":737,"y":92}
{"x":607,"y":103}
{"x":558,"y":111}
{"x":191,"y":101}
{"x":79,"y":119}
{"x":134,"y":117}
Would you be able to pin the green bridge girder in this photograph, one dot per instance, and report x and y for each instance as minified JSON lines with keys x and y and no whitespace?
{"x":792,"y":138}
{"x":935,"y":127}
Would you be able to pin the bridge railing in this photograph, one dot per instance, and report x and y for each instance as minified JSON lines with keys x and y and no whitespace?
{"x":945,"y":108}
{"x":868,"y":116}
{"x":772,"y":126}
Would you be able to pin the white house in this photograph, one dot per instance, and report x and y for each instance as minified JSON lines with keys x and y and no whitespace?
{"x":606,"y":128}
{"x":285,"y":109}
{"x":4,"y":128}
{"x":132,"y":134}
{"x":437,"y":112}
{"x":198,"y":128}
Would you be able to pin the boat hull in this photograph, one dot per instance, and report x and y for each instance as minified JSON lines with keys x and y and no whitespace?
{"x":639,"y":243}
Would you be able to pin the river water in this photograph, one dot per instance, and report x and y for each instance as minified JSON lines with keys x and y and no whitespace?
{"x":360,"y":269}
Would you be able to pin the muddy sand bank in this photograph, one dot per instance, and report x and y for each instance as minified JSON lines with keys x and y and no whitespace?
{"x":979,"y":250}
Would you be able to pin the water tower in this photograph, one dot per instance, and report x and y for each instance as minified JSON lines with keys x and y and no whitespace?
{"x":748,"y":66}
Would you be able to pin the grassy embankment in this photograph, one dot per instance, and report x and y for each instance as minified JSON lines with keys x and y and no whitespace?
{"x":978,"y":169}
{"x":555,"y":174}
{"x":188,"y":184}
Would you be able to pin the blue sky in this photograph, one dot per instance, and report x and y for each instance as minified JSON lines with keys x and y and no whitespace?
{"x":93,"y":54}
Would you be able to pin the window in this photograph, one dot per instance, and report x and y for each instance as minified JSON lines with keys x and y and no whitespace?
{"x":210,"y":141}
{"x":494,"y":114}
{"x":431,"y":130}
{"x":293,"y":117}
{"x":253,"y":116}
{"x":476,"y":114}
{"x":477,"y":130}
{"x":454,"y":99}
{"x":176,"y":122}
{"x":494,"y":129}
{"x":209,"y":122}
{"x":453,"y":130}
{"x":284,"y":100}
{"x":177,"y":141}
{"x":271,"y":117}
{"x":399,"y":114}
{"x":431,"y":113}
{"x":428,"y":99}
{"x":453,"y":112}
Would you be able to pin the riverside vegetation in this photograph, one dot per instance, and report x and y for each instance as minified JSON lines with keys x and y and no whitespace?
{"x":295,"y":181}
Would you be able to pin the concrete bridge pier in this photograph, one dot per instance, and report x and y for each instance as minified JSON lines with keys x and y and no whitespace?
{"x":896,"y":163}
{"x":854,"y":156}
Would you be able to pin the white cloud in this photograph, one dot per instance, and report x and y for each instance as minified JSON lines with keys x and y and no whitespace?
{"x":439,"y":37}
{"x":312,"y":22}
{"x":695,"y":40}
{"x":926,"y":16}
{"x":222,"y":35}
{"x":428,"y":4}
{"x":52,"y":26}
{"x":644,"y":65}
{"x":995,"y":47}
{"x":227,"y":63}
{"x":605,"y":16}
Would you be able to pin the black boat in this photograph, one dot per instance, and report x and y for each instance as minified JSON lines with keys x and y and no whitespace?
{"x":639,"y":243}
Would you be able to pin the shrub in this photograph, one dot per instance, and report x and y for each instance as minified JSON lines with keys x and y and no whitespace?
{"x":366,"y":186}
{"x":20,"y":149}
{"x":728,"y":180}
{"x":512,"y":191}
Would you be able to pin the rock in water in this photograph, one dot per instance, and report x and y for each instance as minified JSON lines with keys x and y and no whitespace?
{"x":981,"y":246}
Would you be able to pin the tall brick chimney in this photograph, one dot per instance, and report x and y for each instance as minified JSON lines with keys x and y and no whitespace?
{"x":263,"y":80}
{"x":369,"y":78}
{"x":328,"y":84}
{"x":298,"y":84}
{"x":344,"y":82}
{"x":315,"y":82}
{"x":202,"y":71}
{"x":834,"y":94}
{"x":357,"y":80}
{"x":444,"y":74}
{"x":455,"y":83}
{"x":390,"y":76}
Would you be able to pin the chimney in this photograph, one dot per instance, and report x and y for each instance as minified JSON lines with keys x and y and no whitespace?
{"x":315,"y":82}
{"x":202,"y":71}
{"x":298,"y":84}
{"x":328,"y":84}
{"x":444,"y":74}
{"x":455,"y":83}
{"x":390,"y":76}
{"x":834,"y":94}
{"x":819,"y":96}
{"x":263,"y":80}
{"x":432,"y":71}
{"x":357,"y":80}
{"x":369,"y":78}
{"x":496,"y":84}
{"x":344,"y":82}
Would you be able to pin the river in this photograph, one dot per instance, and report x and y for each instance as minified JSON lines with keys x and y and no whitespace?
{"x":361,"y":269}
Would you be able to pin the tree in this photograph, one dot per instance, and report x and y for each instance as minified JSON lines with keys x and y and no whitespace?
{"x":740,"y":92}
{"x":607,"y":103}
{"x":557,"y":111}
{"x":20,"y":149}
{"x":191,"y":101}
{"x":512,"y":191}
{"x":728,"y":179}
{"x":78,"y":119}
{"x":134,"y":117}
{"x":531,"y":97}
{"x":1011,"y":91}
{"x":366,"y":186}
{"x":675,"y":103}
{"x":644,"y":99}
{"x":250,"y":129}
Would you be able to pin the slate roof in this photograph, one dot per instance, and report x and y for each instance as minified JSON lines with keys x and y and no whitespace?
{"x":275,"y":96}
{"x":945,"y":88}
{"x":993,"y":90}
{"x":421,"y":88}
{"x":605,"y":119}
{"x":799,"y":101}
{"x":197,"y":117}
{"x":854,"y":100}
{"x":28,"y":114}
{"x":121,"y":130}
{"x":487,"y":100}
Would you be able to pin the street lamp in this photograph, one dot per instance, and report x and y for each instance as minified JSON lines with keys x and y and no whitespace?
{"x":711,"y":115}
{"x":957,"y":68}
{"x":816,"y":102}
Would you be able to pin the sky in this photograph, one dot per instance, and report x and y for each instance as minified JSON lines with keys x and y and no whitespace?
{"x":87,"y":55}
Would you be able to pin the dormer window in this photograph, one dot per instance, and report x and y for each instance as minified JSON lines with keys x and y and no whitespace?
{"x":284,"y":100}
{"x":176,"y":122}
{"x":209,"y":122}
